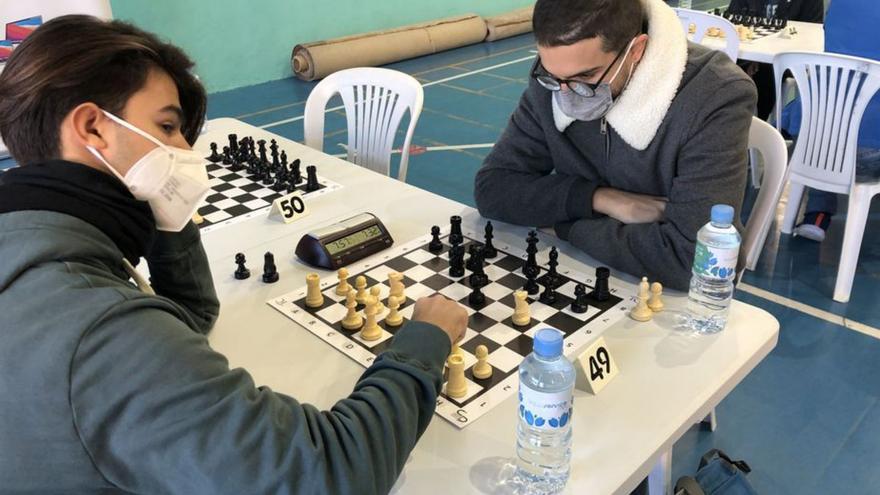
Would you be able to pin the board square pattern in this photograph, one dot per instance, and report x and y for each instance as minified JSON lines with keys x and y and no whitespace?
{"x":427,"y":273}
{"x":237,"y":196}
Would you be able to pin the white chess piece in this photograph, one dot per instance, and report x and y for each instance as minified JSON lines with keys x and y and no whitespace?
{"x":656,"y":302}
{"x":394,"y":317}
{"x":353,"y":319}
{"x":482,"y":369}
{"x":642,"y":312}
{"x":456,"y":385}
{"x":521,"y":313}
{"x":395,"y":281}
{"x":314,"y":298}
{"x":343,"y":287}
{"x":374,"y":292}
{"x":360,"y":283}
{"x":371,"y":330}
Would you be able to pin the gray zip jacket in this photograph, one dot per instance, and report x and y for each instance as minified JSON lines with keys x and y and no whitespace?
{"x":679,"y":130}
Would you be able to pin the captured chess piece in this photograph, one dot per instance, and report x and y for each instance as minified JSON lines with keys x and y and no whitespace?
{"x":371,"y":330}
{"x":242,"y":272}
{"x":580,"y":305}
{"x":215,"y":157}
{"x":435,"y":246}
{"x":600,"y":291}
{"x":353,"y":319}
{"x":521,"y":312}
{"x":642,"y":312}
{"x":270,"y":272}
{"x":482,"y":369}
{"x":312,"y":179}
{"x":343,"y":287}
{"x":489,"y":250}
{"x":360,"y":283}
{"x":456,"y":384}
{"x":394,"y":318}
{"x":656,"y":302}
{"x":314,"y":298}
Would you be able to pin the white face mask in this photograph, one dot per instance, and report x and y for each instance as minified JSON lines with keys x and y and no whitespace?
{"x":174,"y":181}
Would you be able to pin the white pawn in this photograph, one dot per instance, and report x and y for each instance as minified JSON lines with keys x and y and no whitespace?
{"x":360,"y":283}
{"x":314,"y":298}
{"x":394,"y":317}
{"x":456,"y":385}
{"x":482,"y":369}
{"x":655,"y":302}
{"x":522,"y":313}
{"x":371,"y":330}
{"x":353,"y":319}
{"x":374,"y":292}
{"x":642,"y":312}
{"x":343,"y":287}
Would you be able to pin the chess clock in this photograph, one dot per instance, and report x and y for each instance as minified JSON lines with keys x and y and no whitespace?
{"x":345,"y":242}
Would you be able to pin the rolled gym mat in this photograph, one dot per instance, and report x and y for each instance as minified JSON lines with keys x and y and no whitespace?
{"x":510,"y":24}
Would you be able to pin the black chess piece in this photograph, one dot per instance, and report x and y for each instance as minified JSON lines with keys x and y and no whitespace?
{"x":435,"y":246}
{"x":312,"y":179}
{"x":531,"y":250}
{"x":280,"y":184}
{"x":455,"y":235}
{"x":297,"y":174}
{"x":489,"y":250}
{"x":601,"y":291}
{"x":227,"y":158}
{"x":456,"y":260}
{"x":262,"y":144}
{"x":476,"y":298}
{"x":473,"y":259}
{"x":233,"y":145}
{"x":579,"y":305}
{"x":284,"y":160}
{"x":290,"y":186}
{"x":242,"y":272}
{"x":276,"y":162}
{"x":215,"y":157}
{"x":531,"y":273}
{"x":267,"y":175}
{"x":552,"y":263}
{"x":548,"y":297}
{"x":270,"y":272}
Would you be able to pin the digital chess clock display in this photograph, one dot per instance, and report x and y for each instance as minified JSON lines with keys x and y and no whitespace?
{"x":344,"y":242}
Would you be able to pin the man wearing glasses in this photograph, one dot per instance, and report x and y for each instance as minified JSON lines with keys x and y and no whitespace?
{"x":624,"y":139}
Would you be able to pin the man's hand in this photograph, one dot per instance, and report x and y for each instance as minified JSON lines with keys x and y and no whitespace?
{"x":444,"y":313}
{"x":628,"y":207}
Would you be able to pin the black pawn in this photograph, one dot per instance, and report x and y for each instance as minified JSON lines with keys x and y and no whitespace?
{"x":215,"y":157}
{"x":435,"y":246}
{"x":548,"y":297}
{"x":456,"y":260}
{"x":476,"y":298}
{"x":284,"y":160}
{"x":531,"y":273}
{"x":489,"y":250}
{"x":312,"y":179}
{"x":579,"y":305}
{"x":297,"y":174}
{"x":280,"y":184}
{"x":455,"y":235}
{"x":473,"y":259}
{"x":601,"y":292}
{"x":242,"y":272}
{"x":227,"y":158}
{"x":270,"y":272}
{"x":267,"y":176}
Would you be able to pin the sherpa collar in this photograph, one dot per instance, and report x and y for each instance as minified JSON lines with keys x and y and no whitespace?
{"x":639,"y":110}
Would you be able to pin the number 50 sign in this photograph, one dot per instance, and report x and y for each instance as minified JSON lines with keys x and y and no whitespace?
{"x":598,"y":366}
{"x":290,"y":207}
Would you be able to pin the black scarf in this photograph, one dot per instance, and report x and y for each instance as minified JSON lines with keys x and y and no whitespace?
{"x":80,"y":191}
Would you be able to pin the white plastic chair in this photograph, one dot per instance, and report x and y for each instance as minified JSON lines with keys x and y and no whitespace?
{"x":835,"y":90}
{"x":703,"y":21}
{"x":770,"y":144}
{"x":375,"y":101}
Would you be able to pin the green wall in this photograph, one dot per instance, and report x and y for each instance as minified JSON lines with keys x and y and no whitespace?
{"x":238,"y":43}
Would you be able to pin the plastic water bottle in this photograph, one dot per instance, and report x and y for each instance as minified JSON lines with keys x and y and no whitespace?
{"x":713,"y":272}
{"x":684,"y":4}
{"x":543,"y":443}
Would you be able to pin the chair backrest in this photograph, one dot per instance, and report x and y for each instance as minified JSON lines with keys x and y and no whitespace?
{"x":771,"y":145}
{"x":702,"y":21}
{"x":834,"y":92}
{"x":375,"y":101}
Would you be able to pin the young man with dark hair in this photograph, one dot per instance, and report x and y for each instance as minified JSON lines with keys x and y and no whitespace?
{"x":625,"y":138}
{"x":110,"y":386}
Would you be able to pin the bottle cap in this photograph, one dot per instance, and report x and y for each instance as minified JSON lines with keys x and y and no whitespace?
{"x":722,"y":214}
{"x":548,"y":343}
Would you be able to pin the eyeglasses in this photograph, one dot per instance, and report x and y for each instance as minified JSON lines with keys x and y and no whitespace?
{"x":581,"y":88}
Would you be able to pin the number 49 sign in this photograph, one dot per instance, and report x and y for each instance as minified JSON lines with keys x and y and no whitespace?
{"x":598,"y":366}
{"x":290,"y":207}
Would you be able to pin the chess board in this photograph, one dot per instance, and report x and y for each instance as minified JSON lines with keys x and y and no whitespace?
{"x":426,"y":273}
{"x":237,"y":196}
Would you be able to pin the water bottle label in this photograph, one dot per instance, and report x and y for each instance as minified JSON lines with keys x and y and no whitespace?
{"x":717,"y":263}
{"x":545,"y":410}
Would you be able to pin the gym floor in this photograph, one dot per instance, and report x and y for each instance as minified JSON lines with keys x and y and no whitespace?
{"x":807,"y":419}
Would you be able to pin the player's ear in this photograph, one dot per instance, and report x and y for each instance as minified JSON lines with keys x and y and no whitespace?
{"x":639,"y":46}
{"x":88,"y":126}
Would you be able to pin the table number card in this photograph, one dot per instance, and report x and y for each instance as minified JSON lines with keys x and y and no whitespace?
{"x":597,"y":367}
{"x":291,"y":207}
